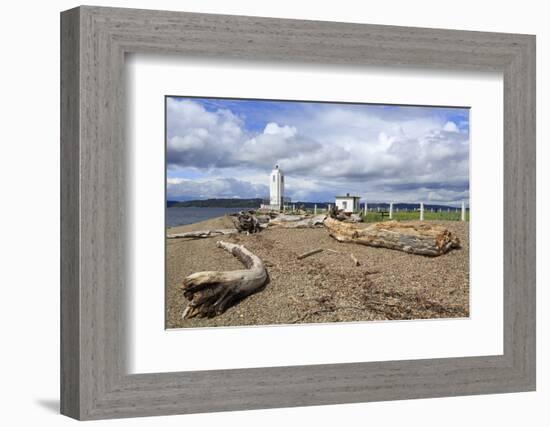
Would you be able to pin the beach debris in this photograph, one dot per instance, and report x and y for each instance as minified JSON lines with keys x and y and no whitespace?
{"x":310,"y":222}
{"x":284,"y":218}
{"x":355,"y":218}
{"x":246,"y":222}
{"x":210,"y":293}
{"x":202,"y":234}
{"x":332,"y":309}
{"x":420,"y":239}
{"x":309,"y":253}
{"x":316,"y":251}
{"x":263,"y":219}
{"x":334,"y":212}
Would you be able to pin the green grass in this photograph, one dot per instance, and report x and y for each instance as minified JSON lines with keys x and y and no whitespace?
{"x":412,"y":216}
{"x":404,"y":215}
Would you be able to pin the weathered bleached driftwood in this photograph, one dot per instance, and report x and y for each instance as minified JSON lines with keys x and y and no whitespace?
{"x":246,"y":222}
{"x":202,"y":234}
{"x":334,"y":212}
{"x":421,"y":239}
{"x":211,"y":292}
{"x":309,"y":253}
{"x":310,"y":222}
{"x":284,"y":218}
{"x":263,"y":219}
{"x":355,"y":218}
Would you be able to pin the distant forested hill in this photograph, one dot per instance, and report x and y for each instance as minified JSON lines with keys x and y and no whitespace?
{"x":255,"y":203}
{"x":216,"y":203}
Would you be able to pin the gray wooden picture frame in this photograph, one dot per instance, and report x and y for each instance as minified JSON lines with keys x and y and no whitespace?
{"x":94,"y":382}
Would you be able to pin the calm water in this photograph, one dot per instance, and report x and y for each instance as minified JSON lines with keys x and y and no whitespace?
{"x":181,"y":216}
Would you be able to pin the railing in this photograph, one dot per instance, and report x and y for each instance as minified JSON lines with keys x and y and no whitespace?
{"x":421,"y":213}
{"x":388,"y":211}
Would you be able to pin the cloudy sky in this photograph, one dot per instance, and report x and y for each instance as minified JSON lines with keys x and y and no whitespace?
{"x":225,"y":148}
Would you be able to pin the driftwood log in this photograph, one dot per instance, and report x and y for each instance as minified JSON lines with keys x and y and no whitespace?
{"x":355,"y":218}
{"x":202,"y":234}
{"x":420,"y":239}
{"x":246,"y":222}
{"x":263,"y":219}
{"x":310,"y":222}
{"x":210,"y":293}
{"x":334,"y":212}
{"x":284,"y":218}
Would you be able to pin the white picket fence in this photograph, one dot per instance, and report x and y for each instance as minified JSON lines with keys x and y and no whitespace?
{"x":292,"y":208}
{"x":420,"y":210}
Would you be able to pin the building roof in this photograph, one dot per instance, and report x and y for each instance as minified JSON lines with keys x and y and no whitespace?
{"x":348,"y":197}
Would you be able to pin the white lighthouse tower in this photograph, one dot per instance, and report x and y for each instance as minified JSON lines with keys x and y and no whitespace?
{"x":276,"y":188}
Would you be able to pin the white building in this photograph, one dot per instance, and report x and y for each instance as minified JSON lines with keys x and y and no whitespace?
{"x":347,"y":203}
{"x":276,"y":190}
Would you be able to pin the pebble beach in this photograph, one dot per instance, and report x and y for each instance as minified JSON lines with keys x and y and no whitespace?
{"x":324,"y":287}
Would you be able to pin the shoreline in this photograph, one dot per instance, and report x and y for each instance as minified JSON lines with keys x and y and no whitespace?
{"x":325,"y":287}
{"x":212,"y":223}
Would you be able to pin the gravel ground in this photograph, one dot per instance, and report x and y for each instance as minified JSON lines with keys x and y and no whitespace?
{"x":325,"y":287}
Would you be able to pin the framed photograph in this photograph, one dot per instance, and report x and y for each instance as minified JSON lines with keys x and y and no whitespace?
{"x":262,"y":213}
{"x":294,"y":181}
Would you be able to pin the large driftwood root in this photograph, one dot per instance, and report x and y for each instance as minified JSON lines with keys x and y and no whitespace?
{"x":421,"y":239}
{"x":247,"y":222}
{"x":210,"y":293}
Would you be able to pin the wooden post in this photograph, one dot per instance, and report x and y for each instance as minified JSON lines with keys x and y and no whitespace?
{"x":421,"y":211}
{"x":391,"y":210}
{"x":366,"y":208}
{"x":463,"y":213}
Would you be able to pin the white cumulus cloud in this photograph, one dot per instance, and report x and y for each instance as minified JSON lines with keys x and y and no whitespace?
{"x":450,"y":127}
{"x":378,"y":153}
